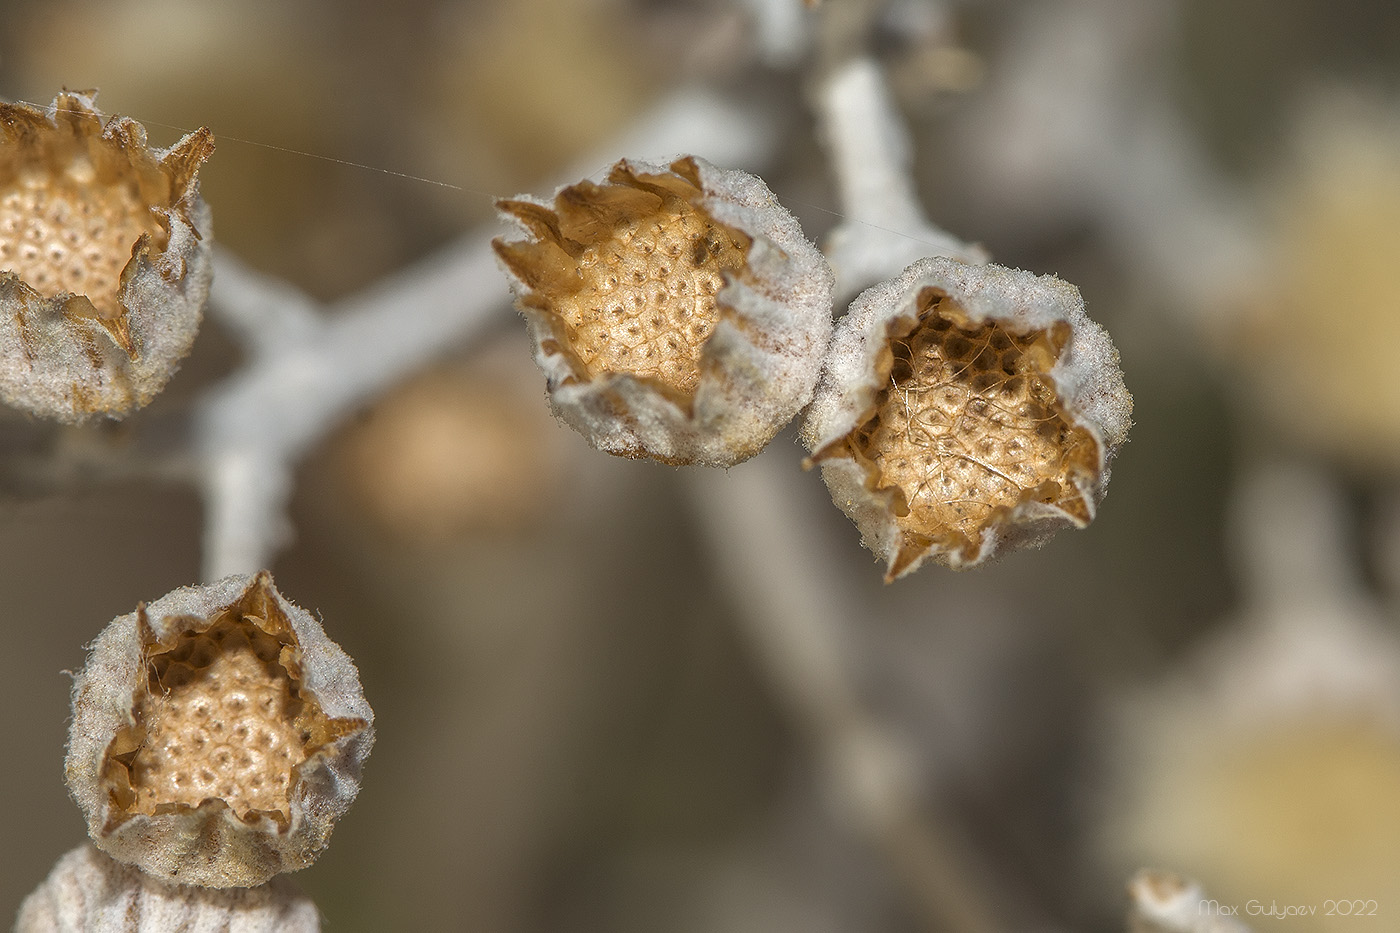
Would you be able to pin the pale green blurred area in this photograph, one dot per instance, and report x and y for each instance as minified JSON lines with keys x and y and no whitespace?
{"x":573,"y":731}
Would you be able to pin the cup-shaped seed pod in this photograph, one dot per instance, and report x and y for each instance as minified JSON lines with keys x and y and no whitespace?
{"x":965,"y":410}
{"x":89,"y":892}
{"x":678,"y":312}
{"x":217,"y":735}
{"x":104,"y":259}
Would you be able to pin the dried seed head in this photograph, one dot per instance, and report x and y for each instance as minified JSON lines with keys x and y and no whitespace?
{"x":104,"y":259}
{"x":88,"y":892}
{"x":1166,"y":903}
{"x":966,"y":409}
{"x":678,"y":312}
{"x":1330,"y":278}
{"x":1268,"y":756}
{"x":217,"y":735}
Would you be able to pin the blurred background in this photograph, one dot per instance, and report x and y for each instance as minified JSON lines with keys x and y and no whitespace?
{"x":578,"y":728}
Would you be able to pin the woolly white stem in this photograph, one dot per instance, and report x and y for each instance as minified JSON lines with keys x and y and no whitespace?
{"x":252,"y":429}
{"x":885,"y":228}
{"x":311,"y":368}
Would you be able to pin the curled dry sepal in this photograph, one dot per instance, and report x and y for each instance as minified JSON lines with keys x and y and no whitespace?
{"x":965,"y":410}
{"x":89,"y":892}
{"x":104,"y":258}
{"x":217,"y":735}
{"x":678,"y":312}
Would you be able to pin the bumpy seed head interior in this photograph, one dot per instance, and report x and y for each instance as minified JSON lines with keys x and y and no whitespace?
{"x":628,"y":274}
{"x":968,"y":427}
{"x":222,"y":716}
{"x":77,"y":203}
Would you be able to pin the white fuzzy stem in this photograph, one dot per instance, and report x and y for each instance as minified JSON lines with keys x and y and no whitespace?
{"x":884,"y":227}
{"x":309,"y":371}
{"x":311,"y":368}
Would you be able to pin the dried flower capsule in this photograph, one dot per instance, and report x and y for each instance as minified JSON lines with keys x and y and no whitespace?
{"x":88,"y":892}
{"x":966,"y":409}
{"x":1166,"y":903}
{"x":1315,"y":334}
{"x":104,"y":259}
{"x":217,"y":735}
{"x":1268,"y":755}
{"x":678,"y":312}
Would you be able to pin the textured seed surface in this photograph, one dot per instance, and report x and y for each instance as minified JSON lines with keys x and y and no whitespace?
{"x":61,"y":234}
{"x":220,"y":722}
{"x":221,"y":716}
{"x":648,"y":304}
{"x":629,"y":273}
{"x":969,"y":425}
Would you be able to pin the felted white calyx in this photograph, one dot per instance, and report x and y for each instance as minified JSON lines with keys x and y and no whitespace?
{"x":104,"y":259}
{"x":217,"y":735}
{"x":89,"y":892}
{"x":965,"y":410}
{"x":678,"y":312}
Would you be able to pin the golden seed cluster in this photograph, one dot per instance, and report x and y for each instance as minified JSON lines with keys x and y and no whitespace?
{"x":648,"y":302}
{"x":60,"y":234}
{"x":971,"y":424}
{"x":221,"y":721}
{"x":626,"y":275}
